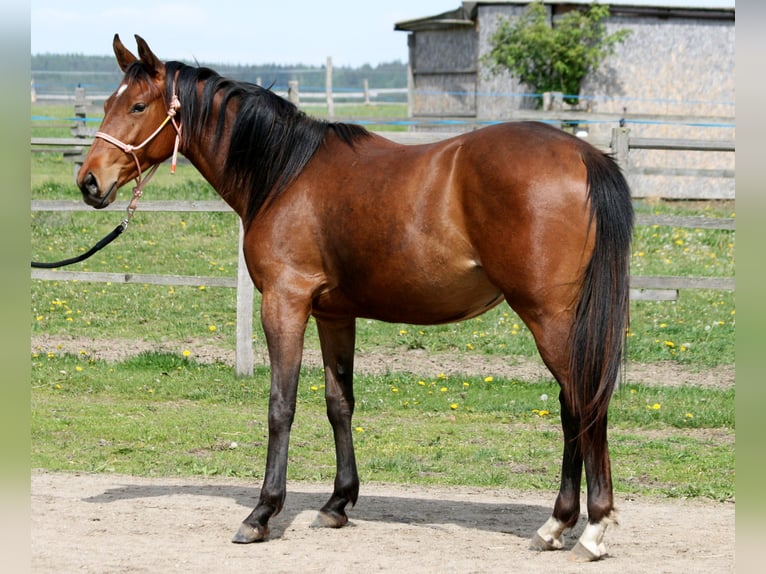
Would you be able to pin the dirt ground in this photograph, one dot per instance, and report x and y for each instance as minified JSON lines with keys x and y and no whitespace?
{"x":105,"y":523}
{"x":120,"y":524}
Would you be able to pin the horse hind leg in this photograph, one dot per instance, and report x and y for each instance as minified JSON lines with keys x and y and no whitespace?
{"x":590,"y":450}
{"x":337,"y":342}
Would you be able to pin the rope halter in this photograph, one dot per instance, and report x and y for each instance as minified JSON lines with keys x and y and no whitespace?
{"x":175,"y":104}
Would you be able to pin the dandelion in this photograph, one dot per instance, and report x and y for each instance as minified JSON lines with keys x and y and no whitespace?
{"x":402,"y":331}
{"x":670,"y":344}
{"x":543,"y":397}
{"x":466,"y":384}
{"x":186,"y":353}
{"x":212,"y":328}
{"x":689,"y":416}
{"x":468,"y":346}
{"x":359,"y":429}
{"x":489,"y":379}
{"x":444,"y":389}
{"x":654,"y":407}
{"x":57,"y":386}
{"x":201,"y":287}
{"x":394,"y":390}
{"x":78,"y":368}
{"x":314,"y":388}
{"x":422,"y":383}
{"x":453,"y":406}
{"x":441,"y":376}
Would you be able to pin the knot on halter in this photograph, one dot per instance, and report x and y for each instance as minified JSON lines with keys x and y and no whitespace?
{"x":175,"y":104}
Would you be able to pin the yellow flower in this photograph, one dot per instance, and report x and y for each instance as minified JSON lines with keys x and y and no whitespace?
{"x":212,"y":328}
{"x":670,"y":344}
{"x":468,"y":346}
{"x":78,"y":368}
{"x":489,"y":379}
{"x":186,"y":353}
{"x":689,"y":416}
{"x":443,"y":389}
{"x":359,"y":429}
{"x":453,"y":406}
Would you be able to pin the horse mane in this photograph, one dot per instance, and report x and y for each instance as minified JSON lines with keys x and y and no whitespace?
{"x":271,"y":140}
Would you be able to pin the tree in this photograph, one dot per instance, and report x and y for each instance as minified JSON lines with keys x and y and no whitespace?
{"x":553,"y":57}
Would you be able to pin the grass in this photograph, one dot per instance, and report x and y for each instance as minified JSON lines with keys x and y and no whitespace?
{"x":167,"y":415}
{"x":159,"y":414}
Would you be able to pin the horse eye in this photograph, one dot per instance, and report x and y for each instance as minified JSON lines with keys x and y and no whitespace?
{"x":137,"y":108}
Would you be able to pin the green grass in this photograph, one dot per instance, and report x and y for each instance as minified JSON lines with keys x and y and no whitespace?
{"x":159,"y":414}
{"x":167,"y":415}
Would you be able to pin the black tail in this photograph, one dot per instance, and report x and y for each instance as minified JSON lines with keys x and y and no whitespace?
{"x":599,"y":332}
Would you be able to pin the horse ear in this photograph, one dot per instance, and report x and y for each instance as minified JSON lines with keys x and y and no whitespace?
{"x":152,"y":62}
{"x":124,"y":57}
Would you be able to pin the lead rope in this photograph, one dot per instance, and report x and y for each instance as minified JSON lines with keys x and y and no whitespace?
{"x":175,"y":104}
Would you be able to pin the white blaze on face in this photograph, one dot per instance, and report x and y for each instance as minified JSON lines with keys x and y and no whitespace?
{"x":121,"y":89}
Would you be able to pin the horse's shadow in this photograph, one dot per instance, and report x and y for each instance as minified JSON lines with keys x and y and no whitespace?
{"x":514,"y":518}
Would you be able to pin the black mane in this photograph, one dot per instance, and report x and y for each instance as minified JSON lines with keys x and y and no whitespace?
{"x":271,"y":140}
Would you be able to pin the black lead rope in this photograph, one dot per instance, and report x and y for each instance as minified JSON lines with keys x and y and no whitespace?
{"x":83,"y":256}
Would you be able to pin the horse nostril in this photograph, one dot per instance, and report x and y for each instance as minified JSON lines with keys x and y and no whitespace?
{"x":89,"y":184}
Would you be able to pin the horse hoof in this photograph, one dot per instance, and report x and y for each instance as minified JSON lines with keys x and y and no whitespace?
{"x":247,"y":534}
{"x":581,"y":554}
{"x":541,"y":544}
{"x":327,"y":520}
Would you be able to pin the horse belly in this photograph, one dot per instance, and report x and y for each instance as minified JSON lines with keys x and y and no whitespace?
{"x":421,"y":297}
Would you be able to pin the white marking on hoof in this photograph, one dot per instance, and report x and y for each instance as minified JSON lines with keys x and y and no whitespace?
{"x":591,"y":546}
{"x":548,"y":536}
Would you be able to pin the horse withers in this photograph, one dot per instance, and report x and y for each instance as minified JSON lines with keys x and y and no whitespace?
{"x":341,"y":223}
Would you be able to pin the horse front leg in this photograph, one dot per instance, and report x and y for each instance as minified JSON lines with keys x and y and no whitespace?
{"x":337,"y":341}
{"x":284,"y":323}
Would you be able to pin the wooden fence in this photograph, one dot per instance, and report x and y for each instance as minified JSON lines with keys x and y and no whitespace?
{"x":642,"y":287}
{"x":657,"y":288}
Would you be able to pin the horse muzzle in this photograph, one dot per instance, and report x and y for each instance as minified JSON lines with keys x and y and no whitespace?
{"x":92,"y":194}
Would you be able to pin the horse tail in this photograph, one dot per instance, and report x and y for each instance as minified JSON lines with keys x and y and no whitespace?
{"x":599,"y":331}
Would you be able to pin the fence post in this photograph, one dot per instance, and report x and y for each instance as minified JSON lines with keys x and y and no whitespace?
{"x":79,"y":129}
{"x":293,"y":94}
{"x":620,"y":146}
{"x":328,"y":88}
{"x":245,"y":357}
{"x":366,"y":84}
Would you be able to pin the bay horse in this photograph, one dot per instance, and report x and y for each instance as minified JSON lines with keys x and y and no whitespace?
{"x":341,"y":223}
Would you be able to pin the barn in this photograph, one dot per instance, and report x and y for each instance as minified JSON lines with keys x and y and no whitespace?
{"x":672,"y":78}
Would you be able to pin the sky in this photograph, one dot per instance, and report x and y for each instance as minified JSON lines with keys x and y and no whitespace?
{"x":352,"y":32}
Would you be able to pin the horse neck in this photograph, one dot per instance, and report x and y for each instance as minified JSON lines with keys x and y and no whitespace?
{"x":208,"y":155}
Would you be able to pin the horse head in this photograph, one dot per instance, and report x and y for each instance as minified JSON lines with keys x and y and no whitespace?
{"x":134,"y":134}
